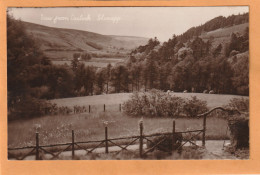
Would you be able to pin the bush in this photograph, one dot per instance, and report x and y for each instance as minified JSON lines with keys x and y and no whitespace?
{"x":174,"y":106}
{"x":40,"y":92}
{"x":194,"y":106}
{"x":158,"y":103}
{"x":166,"y":142}
{"x":241,"y":104}
{"x":134,"y":106}
{"x":153,"y":103}
{"x":239,"y":131}
{"x":27,"y":108}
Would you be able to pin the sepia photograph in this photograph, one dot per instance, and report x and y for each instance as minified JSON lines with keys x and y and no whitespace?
{"x":128,"y":83}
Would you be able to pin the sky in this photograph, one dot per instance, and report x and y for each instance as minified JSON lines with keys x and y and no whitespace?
{"x":150,"y":22}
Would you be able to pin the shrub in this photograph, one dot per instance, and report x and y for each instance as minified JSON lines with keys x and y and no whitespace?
{"x":174,"y":106}
{"x":165,"y":142}
{"x":27,"y":108}
{"x":40,"y":92}
{"x":194,"y":106}
{"x":239,"y":131}
{"x":158,"y":103}
{"x":134,"y":105}
{"x":241,"y":104}
{"x":153,"y":103}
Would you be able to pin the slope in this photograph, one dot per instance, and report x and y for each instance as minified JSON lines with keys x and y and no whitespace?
{"x":59,"y":43}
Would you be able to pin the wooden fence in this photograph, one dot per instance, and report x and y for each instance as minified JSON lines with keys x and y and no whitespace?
{"x":188,"y":137}
{"x":54,"y":109}
{"x":104,"y":108}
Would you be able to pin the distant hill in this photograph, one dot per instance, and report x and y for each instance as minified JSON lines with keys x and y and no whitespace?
{"x":60,"y":43}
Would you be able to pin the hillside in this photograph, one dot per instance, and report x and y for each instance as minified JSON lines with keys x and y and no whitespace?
{"x":212,"y":56}
{"x":222,"y":35}
{"x":219,"y":22}
{"x":61,"y":44}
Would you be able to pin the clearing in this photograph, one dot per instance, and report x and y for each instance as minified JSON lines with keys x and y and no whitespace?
{"x":213,"y":100}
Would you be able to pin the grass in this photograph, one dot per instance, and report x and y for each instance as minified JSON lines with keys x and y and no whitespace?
{"x":222,"y":36}
{"x":213,"y":100}
{"x":65,"y":42}
{"x":98,"y":64}
{"x":88,"y":127}
{"x":97,"y":100}
{"x":57,"y":129}
{"x":226,"y":32}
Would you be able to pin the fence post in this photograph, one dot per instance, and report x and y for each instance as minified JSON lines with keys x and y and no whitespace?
{"x":37,"y":156}
{"x":173,"y":134}
{"x":120,"y":107}
{"x":141,"y":139}
{"x":106,"y":140}
{"x":204,"y":130}
{"x":88,"y":108}
{"x":72,"y":143}
{"x":104,"y":107}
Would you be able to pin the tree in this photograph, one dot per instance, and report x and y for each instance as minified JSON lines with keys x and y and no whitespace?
{"x":240,"y":79}
{"x":199,"y":47}
{"x":60,"y":81}
{"x":89,"y":79}
{"x":108,"y":75}
{"x":86,"y":56}
{"x":100,"y":79}
{"x":74,"y":64}
{"x":221,"y":76}
{"x":76,"y":55}
{"x":164,"y":73}
{"x":22,"y":53}
{"x":167,"y":51}
{"x":151,"y":73}
{"x":135,"y":73}
{"x":119,"y":78}
{"x":217,"y":50}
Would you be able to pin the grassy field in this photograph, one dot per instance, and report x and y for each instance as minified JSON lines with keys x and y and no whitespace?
{"x":87,"y":127}
{"x":90,"y":126}
{"x":213,"y":100}
{"x":97,"y":62}
{"x":222,"y":35}
{"x":225,"y":32}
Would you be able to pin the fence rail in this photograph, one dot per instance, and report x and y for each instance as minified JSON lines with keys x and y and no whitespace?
{"x":76,"y":109}
{"x":187,"y":136}
{"x":106,"y":143}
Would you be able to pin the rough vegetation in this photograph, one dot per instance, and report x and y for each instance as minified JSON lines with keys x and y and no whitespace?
{"x":160,"y":104}
{"x":166,"y":143}
{"x":241,"y":104}
{"x":239,"y":128}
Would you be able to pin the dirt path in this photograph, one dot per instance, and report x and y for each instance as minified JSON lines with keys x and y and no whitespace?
{"x":214,"y":150}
